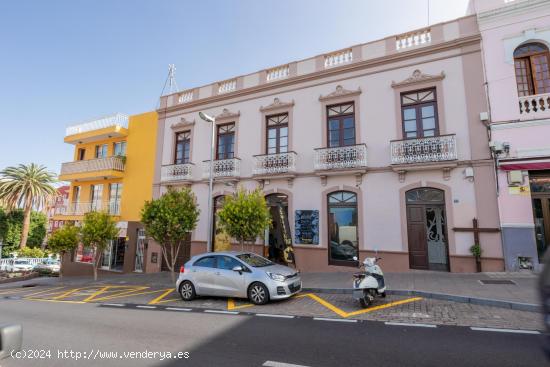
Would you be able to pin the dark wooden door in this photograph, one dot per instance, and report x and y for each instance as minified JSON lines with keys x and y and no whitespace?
{"x":418,"y":242}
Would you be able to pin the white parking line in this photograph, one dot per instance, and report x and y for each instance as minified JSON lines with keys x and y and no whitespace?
{"x":113,"y":304}
{"x":329,"y":319}
{"x":224,"y":312}
{"x":148,"y":307}
{"x":272,"y":315}
{"x":280,"y":364}
{"x":409,"y":324}
{"x":506,"y":330}
{"x":177,"y":309}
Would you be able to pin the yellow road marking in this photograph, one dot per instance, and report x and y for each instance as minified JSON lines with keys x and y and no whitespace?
{"x":97,"y":293}
{"x":68,"y":293}
{"x":231,"y":305}
{"x":159,"y":298}
{"x":129,"y":292}
{"x":46,"y":291}
{"x":345,"y":314}
{"x":52,"y":300}
{"x":15,"y":290}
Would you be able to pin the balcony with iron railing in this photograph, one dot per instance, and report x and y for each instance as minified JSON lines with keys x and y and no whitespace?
{"x":345,"y":157}
{"x":176,"y":172}
{"x":424,"y":150}
{"x":111,"y":126}
{"x":111,"y":167}
{"x":534,"y":107}
{"x":223,"y":168}
{"x":273,"y":164}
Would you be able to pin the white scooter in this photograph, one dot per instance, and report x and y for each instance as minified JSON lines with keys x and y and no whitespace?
{"x":368,"y":283}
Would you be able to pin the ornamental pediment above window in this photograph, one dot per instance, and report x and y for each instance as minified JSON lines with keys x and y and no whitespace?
{"x":340,"y":92}
{"x":418,"y":77}
{"x":183,"y":123}
{"x":226,"y":114}
{"x":277,"y":104}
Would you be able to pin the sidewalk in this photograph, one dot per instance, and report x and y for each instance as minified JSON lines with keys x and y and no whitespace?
{"x":524,"y":287}
{"x":522,"y":293}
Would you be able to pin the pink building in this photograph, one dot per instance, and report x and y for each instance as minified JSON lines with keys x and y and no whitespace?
{"x":516,"y":40}
{"x":378,"y":147}
{"x":57,"y":206}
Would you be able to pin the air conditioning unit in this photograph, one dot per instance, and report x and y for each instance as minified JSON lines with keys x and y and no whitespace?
{"x":515,"y":178}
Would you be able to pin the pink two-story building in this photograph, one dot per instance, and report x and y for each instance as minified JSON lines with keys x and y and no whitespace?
{"x":516,"y":42}
{"x":378,"y":147}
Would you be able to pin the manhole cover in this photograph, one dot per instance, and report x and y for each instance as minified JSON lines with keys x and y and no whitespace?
{"x":496,"y":281}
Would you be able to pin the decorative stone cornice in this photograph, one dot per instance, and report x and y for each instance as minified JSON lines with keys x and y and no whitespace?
{"x":226,"y":114}
{"x":418,"y":77}
{"x":277,"y":104}
{"x":182,"y":124}
{"x":340,"y":92}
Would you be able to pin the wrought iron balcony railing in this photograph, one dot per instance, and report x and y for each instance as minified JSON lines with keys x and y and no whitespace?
{"x":269,"y":164}
{"x":351,"y":156}
{"x":223,"y":168}
{"x":421,"y":150}
{"x":535,"y":106}
{"x":114,"y":163}
{"x":176,"y":172}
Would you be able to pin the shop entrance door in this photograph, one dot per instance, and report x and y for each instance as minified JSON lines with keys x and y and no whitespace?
{"x":540,"y":195}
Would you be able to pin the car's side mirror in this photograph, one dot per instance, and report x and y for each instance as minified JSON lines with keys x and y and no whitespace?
{"x":238,"y":268}
{"x":11,"y":339}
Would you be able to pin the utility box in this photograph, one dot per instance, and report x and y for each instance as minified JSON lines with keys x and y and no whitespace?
{"x":515,"y":178}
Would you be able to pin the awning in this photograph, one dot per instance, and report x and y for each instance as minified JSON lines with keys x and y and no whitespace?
{"x":524,"y":165}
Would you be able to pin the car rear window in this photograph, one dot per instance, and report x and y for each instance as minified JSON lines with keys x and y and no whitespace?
{"x":206,"y":262}
{"x":254,"y":260}
{"x":21,"y":262}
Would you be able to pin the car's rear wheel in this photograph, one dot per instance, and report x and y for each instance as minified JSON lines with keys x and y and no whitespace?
{"x":187,"y":291}
{"x":258,"y":294}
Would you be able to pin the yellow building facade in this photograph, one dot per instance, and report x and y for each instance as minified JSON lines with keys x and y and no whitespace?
{"x":112,"y":171}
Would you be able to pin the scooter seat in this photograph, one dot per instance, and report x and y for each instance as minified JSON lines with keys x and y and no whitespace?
{"x":359,"y":275}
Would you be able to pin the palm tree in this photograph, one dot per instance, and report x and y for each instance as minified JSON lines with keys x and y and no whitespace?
{"x":27,"y":187}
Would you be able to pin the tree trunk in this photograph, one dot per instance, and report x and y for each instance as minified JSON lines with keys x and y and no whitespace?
{"x":61,"y":265}
{"x":26,"y":226}
{"x":95,"y":263}
{"x":242,"y":244}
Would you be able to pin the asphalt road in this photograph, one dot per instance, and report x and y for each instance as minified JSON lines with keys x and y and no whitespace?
{"x":239,"y":340}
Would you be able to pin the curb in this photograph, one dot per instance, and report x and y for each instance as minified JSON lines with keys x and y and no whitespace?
{"x":441,"y":296}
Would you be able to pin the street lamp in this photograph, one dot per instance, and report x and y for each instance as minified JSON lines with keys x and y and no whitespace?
{"x":211,"y":120}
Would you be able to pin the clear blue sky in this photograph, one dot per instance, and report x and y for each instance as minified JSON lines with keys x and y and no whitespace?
{"x":62,"y":62}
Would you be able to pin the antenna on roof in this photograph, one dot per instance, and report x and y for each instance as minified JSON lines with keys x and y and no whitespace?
{"x":170,"y":81}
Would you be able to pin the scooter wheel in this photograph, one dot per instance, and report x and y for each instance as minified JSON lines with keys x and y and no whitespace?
{"x":383,"y":294}
{"x":365,"y":302}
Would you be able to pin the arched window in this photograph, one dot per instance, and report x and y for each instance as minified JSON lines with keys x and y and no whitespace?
{"x":342,"y":227}
{"x":532,"y":71}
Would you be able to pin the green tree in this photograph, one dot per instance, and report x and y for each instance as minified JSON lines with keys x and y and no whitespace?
{"x":98,"y":228}
{"x":244,"y":215}
{"x":168,"y":220}
{"x":11,"y":223}
{"x":26,"y":187}
{"x":62,"y":241}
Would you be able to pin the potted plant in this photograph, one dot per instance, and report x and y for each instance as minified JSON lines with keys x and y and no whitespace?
{"x":476,"y":251}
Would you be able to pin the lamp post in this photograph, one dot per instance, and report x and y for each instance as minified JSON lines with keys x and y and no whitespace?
{"x":212,"y":120}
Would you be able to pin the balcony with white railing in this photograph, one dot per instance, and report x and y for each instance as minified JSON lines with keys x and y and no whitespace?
{"x":223,"y":168}
{"x":424,"y":150}
{"x":534,"y":107}
{"x":176,"y":172}
{"x":185,"y":97}
{"x":82,"y":207}
{"x":346,"y":157}
{"x":421,"y":37}
{"x":100,"y":167}
{"x":115,"y":120}
{"x":227,"y":86}
{"x":273,"y":164}
{"x":338,"y":58}
{"x":280,"y":72}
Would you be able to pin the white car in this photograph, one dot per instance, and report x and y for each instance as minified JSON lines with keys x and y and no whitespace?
{"x":19,"y":265}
